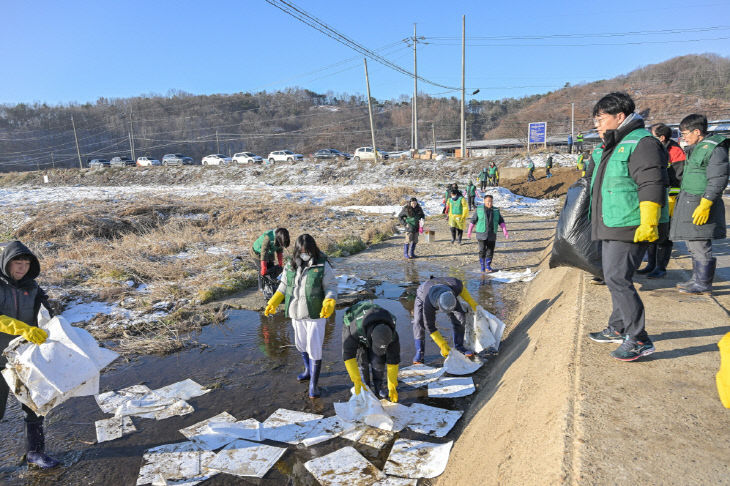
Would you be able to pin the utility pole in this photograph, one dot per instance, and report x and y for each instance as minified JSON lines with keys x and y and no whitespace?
{"x":53,"y":160}
{"x":415,"y":92}
{"x":217,"y":141}
{"x":433,"y":135}
{"x":81,"y":166}
{"x":463,"y":93}
{"x":131,"y":136}
{"x":572,"y":119}
{"x":370,"y":110}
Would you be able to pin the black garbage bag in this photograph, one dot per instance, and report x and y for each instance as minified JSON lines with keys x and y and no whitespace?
{"x":270,"y":282}
{"x":573,"y":246}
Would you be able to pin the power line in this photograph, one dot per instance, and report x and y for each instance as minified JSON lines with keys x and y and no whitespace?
{"x":317,"y":24}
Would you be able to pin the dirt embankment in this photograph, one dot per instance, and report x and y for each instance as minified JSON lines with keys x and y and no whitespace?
{"x":543,"y":187}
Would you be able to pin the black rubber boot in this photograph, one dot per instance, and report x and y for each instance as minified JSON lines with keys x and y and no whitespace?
{"x":703,"y":282}
{"x":315,"y":367}
{"x":683,"y":285}
{"x":663,"y":252}
{"x":35,"y":443}
{"x":305,"y":375}
{"x":650,"y":260}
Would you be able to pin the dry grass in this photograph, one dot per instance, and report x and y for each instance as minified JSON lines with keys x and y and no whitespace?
{"x":106,"y":251}
{"x":377,"y":197}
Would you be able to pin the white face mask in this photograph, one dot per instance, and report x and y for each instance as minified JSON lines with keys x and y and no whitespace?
{"x":305,"y":257}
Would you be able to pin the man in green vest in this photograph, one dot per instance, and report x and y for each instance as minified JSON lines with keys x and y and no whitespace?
{"x":579,"y":142}
{"x":483,"y":178}
{"x":267,"y":245}
{"x":487,"y":221}
{"x":699,"y":213}
{"x":471,"y":194}
{"x":530,"y":169}
{"x":370,"y":344}
{"x":549,"y":166}
{"x":493,"y":175}
{"x":628,"y":203}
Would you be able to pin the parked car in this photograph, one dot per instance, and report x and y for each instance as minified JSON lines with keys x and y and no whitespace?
{"x":147,"y":161}
{"x":284,"y":156}
{"x":176,"y":159}
{"x":121,"y":162}
{"x":366,"y":153}
{"x":330,"y":153}
{"x":98,"y":163}
{"x":247,"y":158}
{"x":216,"y":159}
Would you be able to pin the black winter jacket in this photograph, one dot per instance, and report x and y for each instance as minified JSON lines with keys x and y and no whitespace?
{"x":648,"y":168}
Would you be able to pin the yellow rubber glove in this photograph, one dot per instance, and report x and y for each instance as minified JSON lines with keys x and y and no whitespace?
{"x":392,"y":383}
{"x":36,"y":335}
{"x":354,"y":372}
{"x":273,"y":303}
{"x":328,"y":307}
{"x":723,"y":376}
{"x":441,"y":342}
{"x":702,"y":212}
{"x":648,"y":229}
{"x":672,"y":203}
{"x":467,"y":297}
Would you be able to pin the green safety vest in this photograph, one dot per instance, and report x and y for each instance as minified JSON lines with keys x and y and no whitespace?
{"x":492,"y":171}
{"x":272,"y":243}
{"x":531,"y":166}
{"x":356,"y":315}
{"x":471,"y":190}
{"x":619,"y":192}
{"x":456,"y":205}
{"x":694,"y":177}
{"x":482,"y":219}
{"x":549,"y":163}
{"x":483,"y":174}
{"x":579,"y":138}
{"x":313,"y":290}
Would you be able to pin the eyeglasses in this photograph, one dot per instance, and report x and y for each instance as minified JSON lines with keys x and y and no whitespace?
{"x":684,"y":133}
{"x":598,"y":120}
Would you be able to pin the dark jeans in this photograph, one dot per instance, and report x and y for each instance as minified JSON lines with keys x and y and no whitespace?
{"x":486,"y":248}
{"x":530,"y":177}
{"x":372,"y":369}
{"x":620,"y":261}
{"x":483,"y":184}
{"x":456,"y":232}
{"x":458,"y":322}
{"x":471,"y":202}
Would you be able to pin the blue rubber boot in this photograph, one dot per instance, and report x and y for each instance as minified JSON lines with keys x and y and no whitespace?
{"x":405,"y":250}
{"x":481,"y":263}
{"x":488,"y":265}
{"x":420,"y":348}
{"x":412,"y":252}
{"x":305,"y":375}
{"x":459,"y":342}
{"x":315,"y":367}
{"x":35,"y":443}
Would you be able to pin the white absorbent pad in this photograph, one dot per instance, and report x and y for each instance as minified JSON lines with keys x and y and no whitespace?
{"x":417,"y":459}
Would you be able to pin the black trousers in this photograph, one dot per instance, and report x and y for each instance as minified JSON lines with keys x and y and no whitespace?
{"x":471,"y":202}
{"x":620,"y":261}
{"x":372,"y":370}
{"x":456,"y":232}
{"x":486,"y":248}
{"x":483,"y":184}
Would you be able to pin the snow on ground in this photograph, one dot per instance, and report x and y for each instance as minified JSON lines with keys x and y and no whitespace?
{"x":83,"y":311}
{"x":559,"y":160}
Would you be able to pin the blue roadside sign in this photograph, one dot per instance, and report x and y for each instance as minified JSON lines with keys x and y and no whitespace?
{"x":536,"y":132}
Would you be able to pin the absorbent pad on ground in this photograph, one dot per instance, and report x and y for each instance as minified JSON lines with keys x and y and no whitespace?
{"x":113,"y":428}
{"x":419,"y":375}
{"x":344,"y":467}
{"x":505,"y":276}
{"x":247,"y":459}
{"x":433,"y":421}
{"x":417,"y":459}
{"x":174,"y":462}
{"x":458,"y":364}
{"x":364,"y":408}
{"x":451,"y":387}
{"x":201,"y":435}
{"x":289,"y":426}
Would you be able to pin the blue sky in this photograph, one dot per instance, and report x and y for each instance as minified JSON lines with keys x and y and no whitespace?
{"x":78,"y":51}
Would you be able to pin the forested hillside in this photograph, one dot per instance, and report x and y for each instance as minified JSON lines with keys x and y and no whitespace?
{"x":663,"y":92}
{"x":40,"y":136}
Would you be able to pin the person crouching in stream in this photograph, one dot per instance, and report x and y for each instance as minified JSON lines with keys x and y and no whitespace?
{"x":308,"y":289}
{"x":487,"y":221}
{"x":411,"y":217}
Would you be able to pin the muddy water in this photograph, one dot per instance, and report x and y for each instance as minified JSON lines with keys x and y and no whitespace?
{"x":251,"y":362}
